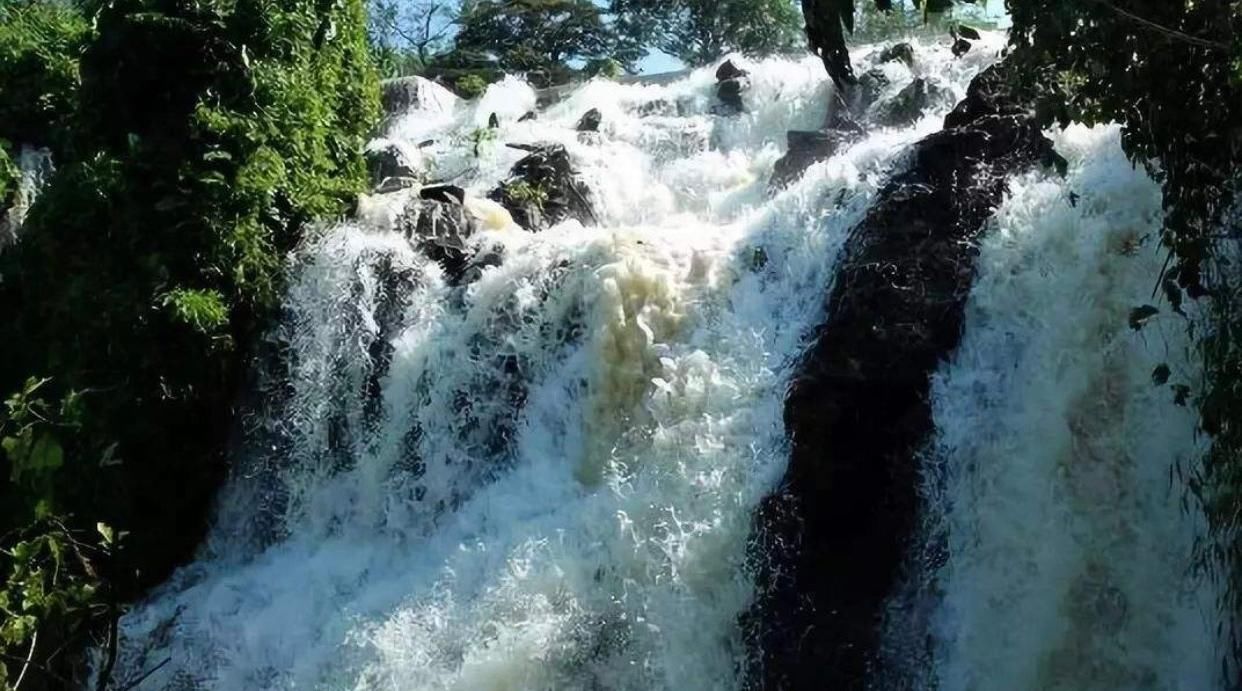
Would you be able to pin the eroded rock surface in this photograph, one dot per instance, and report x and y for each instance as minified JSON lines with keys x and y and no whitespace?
{"x":833,"y":539}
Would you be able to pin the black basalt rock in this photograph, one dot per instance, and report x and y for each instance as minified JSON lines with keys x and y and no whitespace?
{"x":830,"y":544}
{"x":590,"y":121}
{"x":804,"y":149}
{"x":898,"y":52}
{"x":544,"y":189}
{"x":438,"y":224}
{"x":731,"y":82}
{"x":909,"y":104}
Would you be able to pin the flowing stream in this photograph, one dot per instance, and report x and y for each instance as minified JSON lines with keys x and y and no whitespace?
{"x":546,"y":478}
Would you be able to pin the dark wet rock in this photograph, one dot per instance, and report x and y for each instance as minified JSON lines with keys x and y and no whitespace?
{"x":909,"y":104}
{"x":406,"y":93}
{"x":493,"y":256}
{"x":396,"y":184}
{"x":439,"y":225}
{"x":830,"y":545}
{"x":590,"y":121}
{"x":544,"y":189}
{"x":898,"y":52}
{"x":847,"y":109}
{"x":658,"y":107}
{"x":805,"y":149}
{"x":731,"y":82}
{"x":493,"y":121}
{"x":729,"y":92}
{"x":960,"y":47}
{"x":389,"y":159}
{"x":728,"y":70}
{"x":396,"y":284}
{"x":530,"y":115}
{"x":443,"y":193}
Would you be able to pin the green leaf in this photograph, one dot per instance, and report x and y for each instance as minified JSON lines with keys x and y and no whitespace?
{"x":47,"y":454}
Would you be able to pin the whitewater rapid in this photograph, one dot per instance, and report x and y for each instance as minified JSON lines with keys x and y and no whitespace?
{"x":1056,"y":474}
{"x":546,"y":479}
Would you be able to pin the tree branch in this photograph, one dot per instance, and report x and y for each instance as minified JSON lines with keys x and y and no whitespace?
{"x":1171,"y":33}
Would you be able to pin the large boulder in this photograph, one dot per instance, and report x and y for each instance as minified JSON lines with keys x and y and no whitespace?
{"x":389,"y":159}
{"x":835,"y":536}
{"x":590,"y":121}
{"x":908,"y":105}
{"x":544,"y":189}
{"x":406,"y":94}
{"x":731,"y":82}
{"x":804,"y":149}
{"x":898,"y":52}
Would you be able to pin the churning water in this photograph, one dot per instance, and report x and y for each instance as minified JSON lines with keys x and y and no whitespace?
{"x":546,"y":479}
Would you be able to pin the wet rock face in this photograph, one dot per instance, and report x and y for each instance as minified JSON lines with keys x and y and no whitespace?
{"x":404,"y":94}
{"x":909,"y":104}
{"x":731,"y":82}
{"x":844,"y":123}
{"x":831,"y":542}
{"x":439,"y":225}
{"x":898,"y":52}
{"x":544,"y":189}
{"x":805,"y":149}
{"x":590,"y":121}
{"x":390,"y":160}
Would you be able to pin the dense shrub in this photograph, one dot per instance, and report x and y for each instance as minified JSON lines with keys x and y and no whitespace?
{"x":208,"y":134}
{"x":39,"y":47}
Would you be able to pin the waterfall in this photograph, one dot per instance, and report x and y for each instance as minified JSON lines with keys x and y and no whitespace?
{"x":35,"y":169}
{"x":1056,"y":481}
{"x":546,"y":477}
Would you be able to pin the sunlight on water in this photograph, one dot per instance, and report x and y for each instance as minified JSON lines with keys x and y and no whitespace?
{"x":546,"y":479}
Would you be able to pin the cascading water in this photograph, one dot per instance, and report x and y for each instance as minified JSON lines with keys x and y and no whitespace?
{"x":546,"y":477}
{"x":35,"y":168}
{"x":1067,"y":532}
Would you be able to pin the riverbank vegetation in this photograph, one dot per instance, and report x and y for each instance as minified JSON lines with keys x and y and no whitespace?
{"x":195,"y":142}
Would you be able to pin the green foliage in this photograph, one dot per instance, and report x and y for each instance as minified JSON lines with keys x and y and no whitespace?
{"x":471,"y":86}
{"x":537,"y":37}
{"x":523,"y":192}
{"x":607,"y":68}
{"x":702,"y":31}
{"x":50,"y":595}
{"x":9,"y":175}
{"x":39,"y":47}
{"x":480,"y":138}
{"x":206,"y":136}
{"x":202,"y":310}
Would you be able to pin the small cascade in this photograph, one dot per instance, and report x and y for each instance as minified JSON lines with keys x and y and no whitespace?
{"x":35,"y":166}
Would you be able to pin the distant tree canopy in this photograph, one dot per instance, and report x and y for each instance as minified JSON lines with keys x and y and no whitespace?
{"x":702,"y":31}
{"x":539,"y":36}
{"x":409,"y":34}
